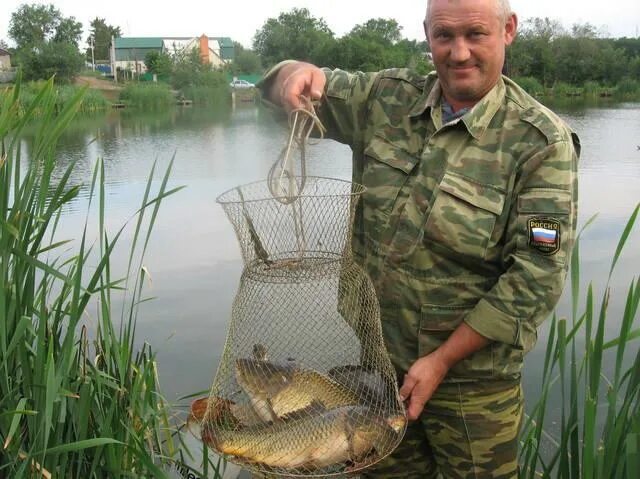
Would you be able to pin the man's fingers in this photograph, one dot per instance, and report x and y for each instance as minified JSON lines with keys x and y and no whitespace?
{"x":318,"y":81}
{"x":307,"y":81}
{"x":407,"y":386}
{"x":416,"y":405}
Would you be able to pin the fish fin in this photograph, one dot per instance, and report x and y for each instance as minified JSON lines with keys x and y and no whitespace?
{"x":314,"y":408}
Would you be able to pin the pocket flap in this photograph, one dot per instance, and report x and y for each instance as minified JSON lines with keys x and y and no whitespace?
{"x":545,"y":200}
{"x":476,"y":194}
{"x":391,"y":154}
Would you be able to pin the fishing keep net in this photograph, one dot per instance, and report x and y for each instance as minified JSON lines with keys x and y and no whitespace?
{"x":304,"y":386}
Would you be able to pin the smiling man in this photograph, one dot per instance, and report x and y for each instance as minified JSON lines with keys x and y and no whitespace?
{"x":466,"y":229}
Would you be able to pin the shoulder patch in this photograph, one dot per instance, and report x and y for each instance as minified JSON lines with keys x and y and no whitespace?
{"x":544,"y":234}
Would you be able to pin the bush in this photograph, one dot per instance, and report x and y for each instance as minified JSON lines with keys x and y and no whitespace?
{"x":591,"y":89}
{"x":628,"y":89}
{"x":531,"y":85}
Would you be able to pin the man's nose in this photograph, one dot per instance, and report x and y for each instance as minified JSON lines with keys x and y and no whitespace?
{"x":460,"y":50}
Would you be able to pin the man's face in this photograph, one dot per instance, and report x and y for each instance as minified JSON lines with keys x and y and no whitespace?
{"x":468,"y":40}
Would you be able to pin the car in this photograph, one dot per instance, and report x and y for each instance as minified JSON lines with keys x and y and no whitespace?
{"x":241,"y":84}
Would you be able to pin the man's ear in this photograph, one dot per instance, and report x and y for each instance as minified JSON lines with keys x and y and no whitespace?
{"x":510,"y":29}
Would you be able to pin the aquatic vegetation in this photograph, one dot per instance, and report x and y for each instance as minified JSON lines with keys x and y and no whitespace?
{"x":599,"y":428}
{"x":78,"y":396}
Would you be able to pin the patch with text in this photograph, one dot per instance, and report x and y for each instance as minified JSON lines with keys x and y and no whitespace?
{"x":544,"y":235}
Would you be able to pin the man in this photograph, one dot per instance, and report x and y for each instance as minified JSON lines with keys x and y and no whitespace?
{"x":466,"y":229}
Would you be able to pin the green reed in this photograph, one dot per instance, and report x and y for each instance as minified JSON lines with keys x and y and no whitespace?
{"x":75,"y":401}
{"x":600,"y":416}
{"x":148,"y":95}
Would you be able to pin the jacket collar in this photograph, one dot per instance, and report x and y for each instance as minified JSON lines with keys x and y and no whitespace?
{"x":475,"y":120}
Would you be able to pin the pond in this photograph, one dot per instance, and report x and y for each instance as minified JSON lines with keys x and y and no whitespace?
{"x":193,"y":257}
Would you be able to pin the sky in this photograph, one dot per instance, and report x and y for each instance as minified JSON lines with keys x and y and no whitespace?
{"x":240,"y":19}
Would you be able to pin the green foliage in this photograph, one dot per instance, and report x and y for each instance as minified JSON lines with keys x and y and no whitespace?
{"x":245,"y":62}
{"x":32,"y":25}
{"x":74,"y":403}
{"x":100,"y":34}
{"x":545,"y":50}
{"x":295,"y":34}
{"x":189,"y":71}
{"x":600,"y":416}
{"x":62,"y":61}
{"x":628,"y":88}
{"x":205,"y":95}
{"x":562,"y":89}
{"x":531,"y":85}
{"x":147,"y":95}
{"x":47,"y":43}
{"x":158,"y":63}
{"x":591,"y":89}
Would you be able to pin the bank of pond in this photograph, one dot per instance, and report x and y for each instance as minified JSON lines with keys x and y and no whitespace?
{"x":159,"y":95}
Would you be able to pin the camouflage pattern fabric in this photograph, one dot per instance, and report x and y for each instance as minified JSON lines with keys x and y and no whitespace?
{"x":470,"y":221}
{"x":467,"y":431}
{"x":473,"y":221}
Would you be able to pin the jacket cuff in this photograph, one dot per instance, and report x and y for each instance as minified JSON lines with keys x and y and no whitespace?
{"x":493,"y":324}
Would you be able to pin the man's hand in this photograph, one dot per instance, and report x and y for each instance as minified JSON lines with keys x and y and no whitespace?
{"x":426,"y":374}
{"x":423,"y":378}
{"x":294,"y":80}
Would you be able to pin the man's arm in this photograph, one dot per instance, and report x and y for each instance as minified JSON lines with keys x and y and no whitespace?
{"x":527,"y":292}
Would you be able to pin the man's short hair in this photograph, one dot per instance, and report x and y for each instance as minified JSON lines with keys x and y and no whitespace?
{"x":504,"y":10}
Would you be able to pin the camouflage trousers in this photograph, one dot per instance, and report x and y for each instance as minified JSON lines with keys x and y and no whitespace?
{"x":467,"y":430}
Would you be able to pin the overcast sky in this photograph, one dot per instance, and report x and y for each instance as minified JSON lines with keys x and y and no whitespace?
{"x":239,"y":19}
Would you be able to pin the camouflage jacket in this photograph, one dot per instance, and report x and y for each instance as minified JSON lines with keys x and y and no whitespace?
{"x":470,"y":221}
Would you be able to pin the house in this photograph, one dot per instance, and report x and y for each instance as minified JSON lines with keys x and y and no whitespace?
{"x":5,"y":59}
{"x":128,"y":53}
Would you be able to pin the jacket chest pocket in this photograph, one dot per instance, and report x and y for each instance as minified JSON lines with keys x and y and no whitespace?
{"x":386,"y":175}
{"x":463,"y":215}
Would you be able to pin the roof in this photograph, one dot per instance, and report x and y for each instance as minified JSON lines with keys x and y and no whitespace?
{"x":224,"y":42}
{"x":4,"y":52}
{"x":138,"y":42}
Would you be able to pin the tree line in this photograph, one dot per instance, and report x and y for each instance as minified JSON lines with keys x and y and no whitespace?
{"x":544,"y":53}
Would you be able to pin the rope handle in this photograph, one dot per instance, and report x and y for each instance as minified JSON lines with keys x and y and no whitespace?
{"x":281,"y":179}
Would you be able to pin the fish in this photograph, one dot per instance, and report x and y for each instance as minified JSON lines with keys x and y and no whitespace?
{"x":225,"y":412}
{"x":345,"y":434}
{"x":277,"y":390}
{"x":370,"y":385}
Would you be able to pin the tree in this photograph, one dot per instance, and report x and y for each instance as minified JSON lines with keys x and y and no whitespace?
{"x":46,"y":42}
{"x":245,"y":61}
{"x":379,"y":30}
{"x":158,"y":63}
{"x":33,"y":25}
{"x":54,"y":58}
{"x":295,"y":34}
{"x":100,"y":34}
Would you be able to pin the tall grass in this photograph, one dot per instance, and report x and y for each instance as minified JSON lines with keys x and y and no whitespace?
{"x":600,"y":417}
{"x":148,"y":95}
{"x":73,"y":403}
{"x":206,"y":95}
{"x":91,"y":101}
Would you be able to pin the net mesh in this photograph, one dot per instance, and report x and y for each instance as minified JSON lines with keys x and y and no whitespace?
{"x":304,"y":386}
